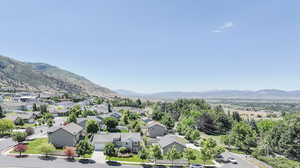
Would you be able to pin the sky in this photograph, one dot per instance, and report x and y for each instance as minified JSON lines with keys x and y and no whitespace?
{"x":160,"y":45}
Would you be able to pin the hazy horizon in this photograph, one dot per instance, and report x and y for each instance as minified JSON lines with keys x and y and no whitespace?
{"x":160,"y":46}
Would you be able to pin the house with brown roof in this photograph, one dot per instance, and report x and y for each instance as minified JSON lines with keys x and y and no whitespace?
{"x":67,"y":135}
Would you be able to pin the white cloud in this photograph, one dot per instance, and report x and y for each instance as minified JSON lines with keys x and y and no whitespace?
{"x":227,"y":25}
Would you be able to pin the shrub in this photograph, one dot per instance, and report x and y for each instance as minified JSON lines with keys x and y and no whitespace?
{"x":19,"y":136}
{"x":123,"y":150}
{"x":29,"y":131}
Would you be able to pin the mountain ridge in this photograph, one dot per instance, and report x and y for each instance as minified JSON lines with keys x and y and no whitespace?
{"x":242,"y":94}
{"x":44,"y":77}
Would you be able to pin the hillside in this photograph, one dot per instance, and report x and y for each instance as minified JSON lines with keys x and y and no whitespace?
{"x":44,"y":77}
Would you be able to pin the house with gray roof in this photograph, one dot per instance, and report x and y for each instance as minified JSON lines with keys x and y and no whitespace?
{"x":131,"y":141}
{"x":67,"y":135}
{"x":155,"y":129}
{"x":27,"y":117}
{"x":114,"y":114}
{"x":168,"y":141}
{"x":82,"y":121}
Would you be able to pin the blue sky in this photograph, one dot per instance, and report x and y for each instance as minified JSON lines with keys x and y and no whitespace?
{"x":155,"y":45}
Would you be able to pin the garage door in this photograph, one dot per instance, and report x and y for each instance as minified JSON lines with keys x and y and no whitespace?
{"x":99,"y":147}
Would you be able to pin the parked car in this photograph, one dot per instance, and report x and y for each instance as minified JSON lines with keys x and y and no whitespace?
{"x":196,"y":166}
{"x":232,"y":160}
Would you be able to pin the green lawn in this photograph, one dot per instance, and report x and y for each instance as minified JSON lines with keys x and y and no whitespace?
{"x":25,"y":126}
{"x":134,"y":158}
{"x":215,"y":137}
{"x":199,"y":160}
{"x":33,"y":146}
{"x":280,"y":162}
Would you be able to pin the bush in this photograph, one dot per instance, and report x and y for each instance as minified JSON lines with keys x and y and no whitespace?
{"x":19,"y":121}
{"x":19,"y":136}
{"x":29,"y":131}
{"x":123,"y":150}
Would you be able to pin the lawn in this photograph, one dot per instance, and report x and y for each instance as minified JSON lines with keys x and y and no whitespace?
{"x":199,"y":160}
{"x":134,"y":158}
{"x":33,"y":146}
{"x":215,"y":137}
{"x":279,"y":162}
{"x":25,"y":126}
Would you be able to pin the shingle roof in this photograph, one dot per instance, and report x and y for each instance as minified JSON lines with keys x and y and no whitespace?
{"x":72,"y":128}
{"x":153,"y":123}
{"x":106,"y":138}
{"x":169,"y":139}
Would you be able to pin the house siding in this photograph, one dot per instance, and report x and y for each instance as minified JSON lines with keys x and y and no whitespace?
{"x":62,"y":138}
{"x":156,"y":131}
{"x":179,"y":147}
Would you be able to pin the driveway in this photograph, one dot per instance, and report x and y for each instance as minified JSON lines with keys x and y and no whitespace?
{"x":39,"y":132}
{"x":98,"y":157}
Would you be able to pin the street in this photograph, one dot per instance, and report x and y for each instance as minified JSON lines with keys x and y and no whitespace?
{"x":241,"y":162}
{"x":12,"y":162}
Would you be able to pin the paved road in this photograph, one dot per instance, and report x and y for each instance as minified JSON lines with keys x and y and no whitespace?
{"x":11,"y":162}
{"x":241,"y":162}
{"x":6,"y":143}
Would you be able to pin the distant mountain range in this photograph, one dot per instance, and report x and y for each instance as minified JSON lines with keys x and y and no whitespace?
{"x":234,"y":94}
{"x":43,"y":77}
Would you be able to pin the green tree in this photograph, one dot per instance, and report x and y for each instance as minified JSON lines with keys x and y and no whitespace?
{"x":168,"y":121}
{"x":111,"y":123}
{"x":46,"y":149}
{"x":92,"y":127}
{"x":72,"y":118}
{"x":84,"y":147}
{"x":125,"y":117}
{"x":76,"y":110}
{"x":6,"y":126}
{"x":50,"y":122}
{"x":156,"y":153}
{"x":19,"y":136}
{"x":243,"y":136}
{"x":19,"y":121}
{"x":1,"y":112}
{"x":172,"y":154}
{"x":189,"y":155}
{"x":34,"y":107}
{"x":143,"y":154}
{"x":110,"y":150}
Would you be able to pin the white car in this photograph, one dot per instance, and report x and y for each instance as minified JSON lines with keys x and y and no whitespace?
{"x":196,"y":166}
{"x":232,"y":160}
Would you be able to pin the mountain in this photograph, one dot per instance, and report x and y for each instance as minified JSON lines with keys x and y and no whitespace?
{"x":233,"y":94}
{"x":44,"y":77}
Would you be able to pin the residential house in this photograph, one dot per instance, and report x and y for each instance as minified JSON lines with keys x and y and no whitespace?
{"x":168,"y":141}
{"x":67,"y":135}
{"x":82,"y":121}
{"x":155,"y":129}
{"x":27,"y":117}
{"x":58,"y":111}
{"x":115,"y":115}
{"x":131,"y":141}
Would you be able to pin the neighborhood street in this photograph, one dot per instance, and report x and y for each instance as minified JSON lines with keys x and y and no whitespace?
{"x":11,"y":162}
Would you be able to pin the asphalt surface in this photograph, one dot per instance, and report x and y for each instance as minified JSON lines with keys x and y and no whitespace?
{"x":6,"y":143}
{"x":12,"y":162}
{"x":35,"y":162}
{"x":242,"y":163}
